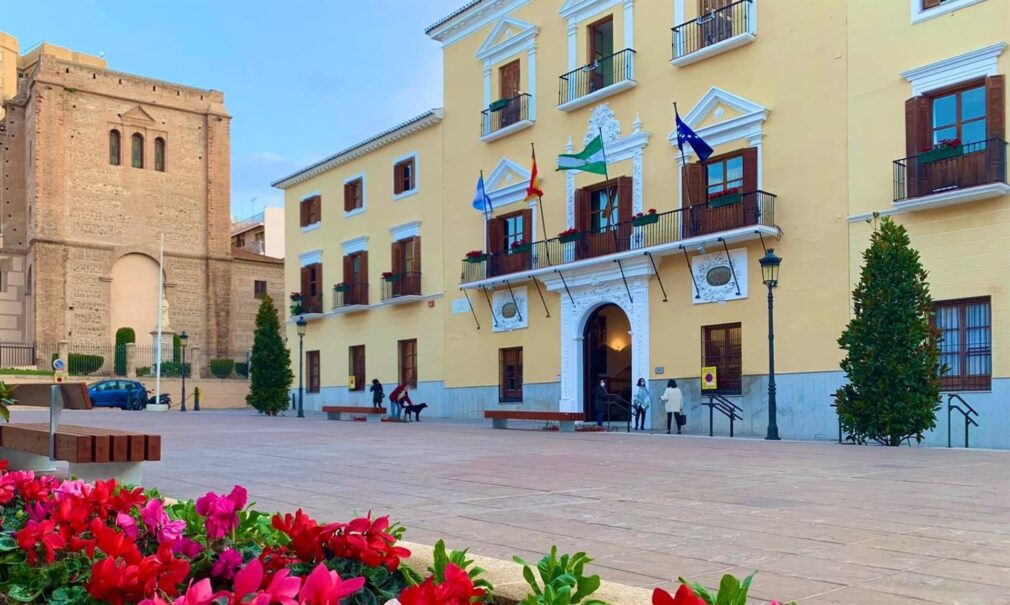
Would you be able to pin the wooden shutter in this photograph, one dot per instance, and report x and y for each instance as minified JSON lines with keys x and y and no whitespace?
{"x":583,"y":203}
{"x":625,"y":193}
{"x":396,"y":258}
{"x":916,"y":126}
{"x":995,"y":107}
{"x":415,"y":244}
{"x":694,"y":184}
{"x":348,"y":197}
{"x":398,"y":170}
{"x":348,"y":269}
{"x":495,"y":237}
{"x":305,"y":285}
{"x":527,"y":226}
{"x":364,"y":279}
{"x":930,"y":3}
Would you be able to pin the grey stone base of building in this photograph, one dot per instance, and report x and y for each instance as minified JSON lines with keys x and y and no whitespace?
{"x":803,"y":401}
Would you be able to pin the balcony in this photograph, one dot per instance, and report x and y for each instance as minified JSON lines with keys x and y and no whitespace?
{"x":736,"y":216}
{"x":401,"y":287}
{"x":715,"y":32}
{"x":601,"y":78}
{"x":350,"y":296}
{"x":505,"y":116}
{"x":944,"y":176}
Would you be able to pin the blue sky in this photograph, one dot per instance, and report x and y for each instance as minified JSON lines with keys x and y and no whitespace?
{"x":301,"y":79}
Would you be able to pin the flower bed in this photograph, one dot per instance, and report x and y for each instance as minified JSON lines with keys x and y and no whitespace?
{"x":70,"y":542}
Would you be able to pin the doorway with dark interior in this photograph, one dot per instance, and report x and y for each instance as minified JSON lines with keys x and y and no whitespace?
{"x":607,"y":356}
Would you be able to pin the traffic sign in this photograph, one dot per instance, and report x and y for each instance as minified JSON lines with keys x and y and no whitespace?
{"x":59,"y":365}
{"x":708,"y":378}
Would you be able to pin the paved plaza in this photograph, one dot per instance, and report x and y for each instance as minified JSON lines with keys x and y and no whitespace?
{"x":822,"y":523}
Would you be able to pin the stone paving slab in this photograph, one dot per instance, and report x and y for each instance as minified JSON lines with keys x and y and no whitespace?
{"x":822,"y":523}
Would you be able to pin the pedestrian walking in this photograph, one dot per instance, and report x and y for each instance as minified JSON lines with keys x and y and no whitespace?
{"x":397,"y":398}
{"x":377,"y":393}
{"x":641,"y":402}
{"x":601,"y":399}
{"x":674,"y":401}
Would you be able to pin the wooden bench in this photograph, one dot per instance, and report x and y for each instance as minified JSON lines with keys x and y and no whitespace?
{"x":565,"y":420}
{"x":92,"y":453}
{"x":333,"y":412}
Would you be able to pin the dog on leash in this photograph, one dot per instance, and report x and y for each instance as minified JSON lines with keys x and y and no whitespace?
{"x":415,"y":409}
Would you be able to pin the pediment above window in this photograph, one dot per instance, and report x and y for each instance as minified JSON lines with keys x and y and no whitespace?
{"x":721,"y":116}
{"x":508,"y":37}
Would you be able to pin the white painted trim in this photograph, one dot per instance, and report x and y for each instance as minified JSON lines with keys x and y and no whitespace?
{"x":749,"y":125}
{"x":920,"y":14}
{"x":311,"y":194}
{"x":310,"y":258}
{"x":364,"y":189}
{"x":581,"y":10}
{"x":714,"y":49}
{"x":358,"y":244}
{"x":510,"y":129}
{"x":978,"y":63}
{"x":417,"y":175}
{"x":406,"y":230}
{"x":597,"y":95}
{"x":333,"y":312}
{"x":502,"y":192}
{"x":452,"y":30}
{"x":493,"y":53}
{"x":312,"y":227}
{"x":939,"y":200}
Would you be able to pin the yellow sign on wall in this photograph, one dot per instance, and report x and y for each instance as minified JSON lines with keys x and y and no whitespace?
{"x":350,"y":383}
{"x":709,"y":380}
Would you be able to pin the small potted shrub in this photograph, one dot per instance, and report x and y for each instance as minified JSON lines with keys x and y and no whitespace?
{"x":475,"y":256}
{"x":520,"y":246}
{"x":569,"y":235}
{"x":725,"y":198}
{"x":296,"y":307}
{"x":646,"y":218}
{"x":341,"y":287}
{"x":390,"y":276}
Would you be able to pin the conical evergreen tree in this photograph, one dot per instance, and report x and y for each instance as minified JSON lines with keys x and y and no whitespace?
{"x":270,"y":372}
{"x":893,"y":359}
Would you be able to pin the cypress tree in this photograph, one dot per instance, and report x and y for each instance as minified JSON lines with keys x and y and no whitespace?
{"x":270,"y":372}
{"x":892,"y":357}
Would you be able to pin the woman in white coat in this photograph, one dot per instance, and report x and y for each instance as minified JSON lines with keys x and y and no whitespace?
{"x":674,"y":401}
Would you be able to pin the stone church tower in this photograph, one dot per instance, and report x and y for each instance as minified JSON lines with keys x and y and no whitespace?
{"x":98,"y":166}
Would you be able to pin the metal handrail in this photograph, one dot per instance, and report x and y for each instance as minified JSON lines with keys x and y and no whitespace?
{"x":608,"y":70}
{"x":515,"y":110}
{"x":941,"y":169}
{"x":967,"y":413}
{"x":726,"y":407}
{"x":622,"y":403}
{"x":711,"y":28}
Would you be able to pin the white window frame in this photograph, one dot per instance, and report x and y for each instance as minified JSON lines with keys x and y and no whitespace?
{"x":920,"y":14}
{"x":315,"y":225}
{"x":417,"y":175}
{"x":357,"y":211}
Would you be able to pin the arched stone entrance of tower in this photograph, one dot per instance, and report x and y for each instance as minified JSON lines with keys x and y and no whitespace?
{"x":133,"y":295}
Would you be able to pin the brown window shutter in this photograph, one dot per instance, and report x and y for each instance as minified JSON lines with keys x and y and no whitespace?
{"x":995,"y":107}
{"x":416,"y":244}
{"x":302,"y":217}
{"x":305,"y":285}
{"x":348,"y":197}
{"x":398,"y":178}
{"x":364,"y":279}
{"x":916,"y":126}
{"x":625,"y":201}
{"x":930,"y":3}
{"x":396,"y":256}
{"x":694,"y":176}
{"x":348,"y":269}
{"x":318,"y":208}
{"x":528,"y":226}
{"x":750,"y":169}
{"x":495,"y":237}
{"x":583,"y":199}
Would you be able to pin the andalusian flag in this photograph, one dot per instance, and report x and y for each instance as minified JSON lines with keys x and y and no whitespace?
{"x":590,"y":159}
{"x":534,"y":191}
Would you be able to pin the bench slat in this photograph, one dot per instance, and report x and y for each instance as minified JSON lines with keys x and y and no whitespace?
{"x":81,"y":444}
{"x":352,"y":409}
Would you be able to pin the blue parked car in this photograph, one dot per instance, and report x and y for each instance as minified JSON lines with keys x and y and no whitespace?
{"x":116,"y":393}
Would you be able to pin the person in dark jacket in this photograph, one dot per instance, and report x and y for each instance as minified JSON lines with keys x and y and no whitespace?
{"x":377,"y":393}
{"x":601,"y":399}
{"x":397,"y":399}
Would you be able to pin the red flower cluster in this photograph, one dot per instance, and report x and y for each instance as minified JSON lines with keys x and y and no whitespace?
{"x":474,"y":253}
{"x":457,"y":589}
{"x":725,"y":192}
{"x":296,"y":296}
{"x":517,"y":243}
{"x":568,"y":232}
{"x":944,"y":144}
{"x":367,"y":540}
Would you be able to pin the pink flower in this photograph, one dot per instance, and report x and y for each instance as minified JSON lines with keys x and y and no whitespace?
{"x":128,"y":524}
{"x":325,"y":587}
{"x":70,"y":489}
{"x":187,"y":548}
{"x":248,"y":580}
{"x":200,"y":593}
{"x":221,"y":512}
{"x":226,"y":564}
{"x":283,"y":589}
{"x":156,"y":519}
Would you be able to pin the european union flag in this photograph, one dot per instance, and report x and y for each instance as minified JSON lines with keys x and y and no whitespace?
{"x":686,"y":135}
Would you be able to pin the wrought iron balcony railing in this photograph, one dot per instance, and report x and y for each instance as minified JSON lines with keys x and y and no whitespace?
{"x":718,"y":215}
{"x":711,"y":28}
{"x":504,"y":113}
{"x":350,"y":293}
{"x":597,"y":75}
{"x":950,"y":168}
{"x":401,"y":284}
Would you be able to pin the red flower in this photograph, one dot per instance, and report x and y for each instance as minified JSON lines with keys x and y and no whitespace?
{"x":652,"y":211}
{"x":41,"y":534}
{"x":457,"y":589}
{"x":115,"y":581}
{"x":474,"y":254}
{"x":684,"y":596}
{"x":567,"y":232}
{"x":305,"y":535}
{"x":367,"y":541}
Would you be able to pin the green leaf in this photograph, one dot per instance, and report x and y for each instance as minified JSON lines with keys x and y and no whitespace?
{"x":728,"y":589}
{"x":18,"y":592}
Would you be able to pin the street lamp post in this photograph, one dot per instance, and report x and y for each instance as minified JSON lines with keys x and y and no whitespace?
{"x":300,"y":324}
{"x":770,"y":275}
{"x":183,"y":338}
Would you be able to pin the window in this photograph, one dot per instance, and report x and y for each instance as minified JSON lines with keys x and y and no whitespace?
{"x":310,"y":210}
{"x":959,"y":115}
{"x":407,"y":362}
{"x":404,"y":177}
{"x":356,"y":363}
{"x":724,"y":175}
{"x":965,"y":343}
{"x":114,"y":145}
{"x":353,"y":195}
{"x":159,"y":154}
{"x":720,"y":347}
{"x":603,"y":209}
{"x":259,"y":288}
{"x":720,"y":193}
{"x":406,"y":266}
{"x":356,"y":278}
{"x":312,"y":364}
{"x":512,"y":230}
{"x":137,"y":150}
{"x":510,"y":375}
{"x":601,"y":51}
{"x":312,"y":295}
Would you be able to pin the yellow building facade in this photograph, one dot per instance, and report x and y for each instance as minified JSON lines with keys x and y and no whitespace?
{"x":533,"y":301}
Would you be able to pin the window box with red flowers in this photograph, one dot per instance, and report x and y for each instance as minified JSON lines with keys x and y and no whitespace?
{"x":569,"y":235}
{"x":725,"y":198}
{"x":945,"y":149}
{"x":296,"y":307}
{"x":518,"y":247}
{"x":389,"y":276}
{"x":475,"y":256}
{"x":646,"y":218}
{"x":342,"y":287}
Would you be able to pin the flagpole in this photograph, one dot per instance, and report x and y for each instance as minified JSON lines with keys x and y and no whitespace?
{"x":161,"y":290}
{"x":683,"y":162}
{"x":540,"y":204}
{"x":606,"y":187}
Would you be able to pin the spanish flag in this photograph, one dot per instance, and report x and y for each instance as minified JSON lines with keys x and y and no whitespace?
{"x":534,"y":191}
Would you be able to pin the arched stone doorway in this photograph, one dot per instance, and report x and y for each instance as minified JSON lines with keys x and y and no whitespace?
{"x":606,"y":356}
{"x":133,"y":295}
